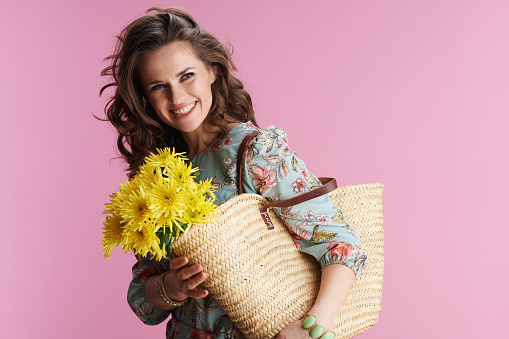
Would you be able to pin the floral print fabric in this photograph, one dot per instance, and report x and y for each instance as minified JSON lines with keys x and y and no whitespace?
{"x":273,"y":170}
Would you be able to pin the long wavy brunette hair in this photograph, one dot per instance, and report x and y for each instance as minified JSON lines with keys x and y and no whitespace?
{"x":140,"y":130}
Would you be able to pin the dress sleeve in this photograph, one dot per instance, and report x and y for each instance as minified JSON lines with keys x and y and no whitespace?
{"x":317,"y":226}
{"x":136,"y":298}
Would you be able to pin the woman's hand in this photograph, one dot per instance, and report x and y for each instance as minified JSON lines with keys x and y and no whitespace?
{"x":294,"y":331}
{"x":183,"y":280}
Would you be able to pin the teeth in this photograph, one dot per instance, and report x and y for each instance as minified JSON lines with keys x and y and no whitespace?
{"x":185,"y":110}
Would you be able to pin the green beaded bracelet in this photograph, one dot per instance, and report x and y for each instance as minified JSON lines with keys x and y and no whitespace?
{"x":308,"y":322}
{"x":316,"y":331}
{"x":328,"y":335}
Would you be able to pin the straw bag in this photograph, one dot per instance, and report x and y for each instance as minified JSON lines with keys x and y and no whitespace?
{"x":263,"y":282}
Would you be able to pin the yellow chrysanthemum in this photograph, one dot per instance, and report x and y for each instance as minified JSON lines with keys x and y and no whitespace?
{"x":183,"y":175}
{"x":127,"y":188}
{"x":141,"y":240}
{"x":192,"y":200}
{"x":154,"y":208}
{"x":207,"y":207}
{"x":163,"y":224}
{"x":160,"y":253}
{"x":113,"y":228}
{"x":147,"y":176}
{"x":111,"y":207}
{"x":193,"y":217}
{"x":165,"y":157}
{"x":166,"y":200}
{"x":206,"y":188}
{"x":135,"y":209}
{"x":118,"y":197}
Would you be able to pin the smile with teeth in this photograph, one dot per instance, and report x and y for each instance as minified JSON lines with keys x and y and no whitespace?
{"x":184,"y":110}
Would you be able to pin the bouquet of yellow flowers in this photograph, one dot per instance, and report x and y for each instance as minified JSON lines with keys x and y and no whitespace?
{"x":154,"y":208}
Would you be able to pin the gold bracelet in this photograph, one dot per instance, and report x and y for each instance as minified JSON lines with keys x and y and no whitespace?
{"x":164,"y":295}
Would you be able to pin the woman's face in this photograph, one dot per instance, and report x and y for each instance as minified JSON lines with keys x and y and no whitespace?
{"x":177,"y":85}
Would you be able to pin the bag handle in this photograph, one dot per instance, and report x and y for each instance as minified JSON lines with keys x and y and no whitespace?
{"x":328,"y":185}
{"x":240,"y":159}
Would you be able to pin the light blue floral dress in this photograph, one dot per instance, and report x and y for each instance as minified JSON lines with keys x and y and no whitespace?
{"x":273,"y":170}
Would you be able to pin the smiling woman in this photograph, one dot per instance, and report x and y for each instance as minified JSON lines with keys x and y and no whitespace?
{"x":194,"y":53}
{"x":177,"y":85}
{"x":174,"y":88}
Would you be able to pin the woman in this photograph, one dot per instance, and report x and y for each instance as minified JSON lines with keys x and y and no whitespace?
{"x":174,"y":88}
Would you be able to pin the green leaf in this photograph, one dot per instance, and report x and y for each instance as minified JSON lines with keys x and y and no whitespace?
{"x":166,"y":238}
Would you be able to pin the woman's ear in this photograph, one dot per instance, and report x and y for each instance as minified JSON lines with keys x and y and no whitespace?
{"x":213,"y":73}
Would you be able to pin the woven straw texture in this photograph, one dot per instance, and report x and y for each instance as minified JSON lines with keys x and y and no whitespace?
{"x":264,"y":283}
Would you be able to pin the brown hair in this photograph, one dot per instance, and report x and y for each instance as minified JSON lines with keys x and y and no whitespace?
{"x":140,"y":130}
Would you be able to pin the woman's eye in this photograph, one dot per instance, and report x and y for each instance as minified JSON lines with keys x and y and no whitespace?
{"x":187,"y":76}
{"x":156,"y":87}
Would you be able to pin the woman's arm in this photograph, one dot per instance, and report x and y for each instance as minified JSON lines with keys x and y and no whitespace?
{"x":337,"y":280}
{"x":143,"y":271}
{"x":317,"y":226}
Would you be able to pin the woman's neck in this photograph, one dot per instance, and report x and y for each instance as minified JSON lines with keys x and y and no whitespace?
{"x":197,"y":140}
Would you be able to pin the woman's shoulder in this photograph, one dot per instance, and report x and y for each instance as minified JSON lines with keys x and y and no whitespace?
{"x":265,"y":136}
{"x":268,"y":140}
{"x":240,"y":130}
{"x":271,"y":138}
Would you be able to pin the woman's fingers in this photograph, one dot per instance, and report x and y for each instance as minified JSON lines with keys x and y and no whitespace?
{"x":192,"y":283}
{"x":198,"y":294}
{"x":192,"y":286}
{"x":188,"y":278}
{"x":178,"y":263}
{"x":188,"y":272}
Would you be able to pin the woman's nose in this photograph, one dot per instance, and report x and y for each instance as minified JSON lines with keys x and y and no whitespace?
{"x":176,"y":95}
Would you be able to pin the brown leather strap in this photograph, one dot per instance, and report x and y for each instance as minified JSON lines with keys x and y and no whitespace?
{"x":328,"y":185}
{"x":240,"y":159}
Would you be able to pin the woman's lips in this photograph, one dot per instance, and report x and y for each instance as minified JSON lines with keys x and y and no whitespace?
{"x":184,"y":111}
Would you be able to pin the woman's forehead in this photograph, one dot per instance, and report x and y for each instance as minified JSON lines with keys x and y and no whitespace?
{"x":172,"y":59}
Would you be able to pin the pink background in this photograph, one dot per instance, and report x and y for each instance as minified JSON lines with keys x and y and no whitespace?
{"x":412,"y":94}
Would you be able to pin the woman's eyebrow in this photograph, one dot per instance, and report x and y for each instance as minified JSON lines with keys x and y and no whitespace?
{"x":179,"y":74}
{"x":184,"y":71}
{"x":153,"y":82}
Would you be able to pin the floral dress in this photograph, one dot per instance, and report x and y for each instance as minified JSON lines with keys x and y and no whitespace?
{"x":273,"y":170}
